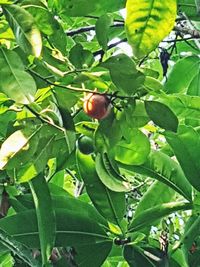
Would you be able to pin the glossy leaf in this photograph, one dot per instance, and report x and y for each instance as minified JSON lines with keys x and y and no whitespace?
{"x":190,"y":8}
{"x":102,"y":28}
{"x":6,"y":259}
{"x":80,"y":58}
{"x":43,"y":18}
{"x":133,"y":149}
{"x":155,"y":213}
{"x":132,"y":115}
{"x":97,"y":254}
{"x":17,"y":248}
{"x":45,"y":216}
{"x":135,"y":116}
{"x":124,"y":74}
{"x":109,"y":176}
{"x":83,"y":7}
{"x":17,"y":142}
{"x":161,"y":115}
{"x":148,"y":23}
{"x":14,"y":81}
{"x":157,"y":193}
{"x":50,"y":144}
{"x":188,"y":68}
{"x":180,"y":257}
{"x":110,"y":204}
{"x":69,"y":231}
{"x":184,"y":106}
{"x":34,"y":167}
{"x":191,"y":231}
{"x":186,"y":146}
{"x":63,"y":200}
{"x":136,"y":257}
{"x":26,"y":32}
{"x":161,"y":167}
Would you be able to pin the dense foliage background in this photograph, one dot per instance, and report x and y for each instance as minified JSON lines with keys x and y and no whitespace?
{"x":121,"y":191}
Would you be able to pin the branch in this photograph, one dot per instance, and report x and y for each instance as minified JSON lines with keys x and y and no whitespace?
{"x":96,"y":17}
{"x":101,"y":51}
{"x":80,"y":90}
{"x":178,"y":40}
{"x":193,"y":32}
{"x":90,"y":28}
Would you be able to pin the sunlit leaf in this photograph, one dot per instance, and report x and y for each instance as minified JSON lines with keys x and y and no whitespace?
{"x":133,"y":149}
{"x":26,"y":32}
{"x":161,"y":115}
{"x":188,"y":68}
{"x":110,"y":204}
{"x":186,"y":146}
{"x":14,"y":81}
{"x":157,"y":212}
{"x":161,"y":167}
{"x":148,"y":23}
{"x":45,"y":216}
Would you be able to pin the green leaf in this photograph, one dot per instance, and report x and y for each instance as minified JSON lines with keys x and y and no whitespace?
{"x":161,"y":115}
{"x":190,"y":8}
{"x":161,"y":167}
{"x":102,"y":29}
{"x":17,"y":248}
{"x":152,"y":84}
{"x":80,"y":58}
{"x":184,"y":106}
{"x":135,"y":256}
{"x":186,"y":146}
{"x":14,"y":81}
{"x":108,"y":174}
{"x":133,"y":115}
{"x":193,"y":88}
{"x":70,"y":203}
{"x":45,"y":216}
{"x":6,"y":259}
{"x":109,"y":204}
{"x":26,"y":32}
{"x":86,"y":128}
{"x":180,"y":257}
{"x":48,"y":143}
{"x":92,"y":255}
{"x":188,"y":69}
{"x":34,"y":167}
{"x":43,"y":18}
{"x":85,"y":7}
{"x":69,"y":230}
{"x":158,"y":193}
{"x":62,"y":200}
{"x":124,"y":74}
{"x":133,"y":149}
{"x":108,"y":133}
{"x":148,"y":23}
{"x":157,"y":212}
{"x":17,"y":142}
{"x":191,"y":231}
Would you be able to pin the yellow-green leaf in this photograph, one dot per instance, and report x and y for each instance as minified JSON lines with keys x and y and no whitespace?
{"x":23,"y":25}
{"x":148,"y":22}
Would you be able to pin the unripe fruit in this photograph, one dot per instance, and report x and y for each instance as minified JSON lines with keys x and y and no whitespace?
{"x":85,"y":144}
{"x":96,"y":106}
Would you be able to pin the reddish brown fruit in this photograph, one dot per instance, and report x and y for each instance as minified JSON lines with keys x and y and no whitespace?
{"x":96,"y":106}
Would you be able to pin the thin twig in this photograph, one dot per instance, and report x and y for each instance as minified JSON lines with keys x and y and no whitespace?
{"x":90,"y":28}
{"x":80,"y":90}
{"x":42,"y":119}
{"x":99,"y":52}
{"x":193,"y":32}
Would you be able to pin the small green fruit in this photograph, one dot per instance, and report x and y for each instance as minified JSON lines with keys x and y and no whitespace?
{"x":85,"y":144}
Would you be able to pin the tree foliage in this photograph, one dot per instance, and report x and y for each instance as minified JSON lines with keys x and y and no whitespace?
{"x":118,"y":191}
